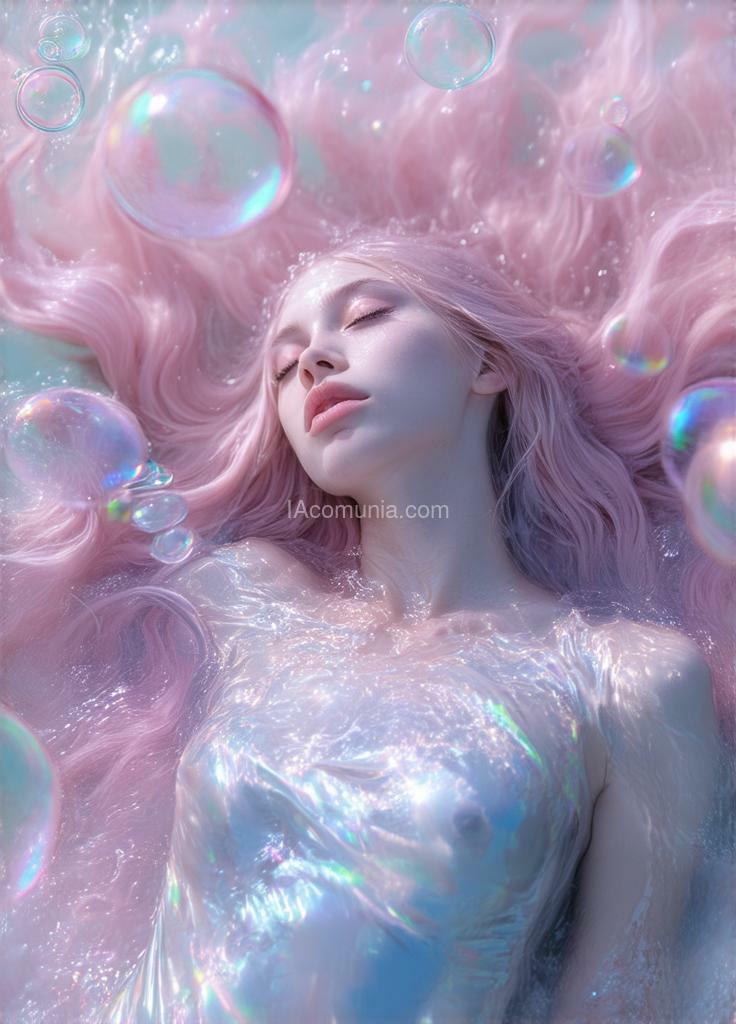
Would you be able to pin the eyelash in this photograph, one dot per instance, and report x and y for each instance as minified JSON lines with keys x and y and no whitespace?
{"x":366,"y":316}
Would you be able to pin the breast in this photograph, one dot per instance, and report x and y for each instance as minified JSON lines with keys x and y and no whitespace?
{"x":363,"y":807}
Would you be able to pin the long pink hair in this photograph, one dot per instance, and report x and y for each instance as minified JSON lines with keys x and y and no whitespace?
{"x":459,"y":196}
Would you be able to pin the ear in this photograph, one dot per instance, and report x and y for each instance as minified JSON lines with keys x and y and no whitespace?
{"x":487,"y":381}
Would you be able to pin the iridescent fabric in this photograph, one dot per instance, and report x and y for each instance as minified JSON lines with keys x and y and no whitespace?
{"x":356,"y":840}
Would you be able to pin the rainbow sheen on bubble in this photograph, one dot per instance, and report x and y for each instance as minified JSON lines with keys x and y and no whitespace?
{"x":30,"y":798}
{"x":154,"y":475}
{"x":120,"y":507}
{"x":74,"y":446}
{"x":710,"y":494}
{"x":63,"y":37}
{"x":156,"y":512}
{"x":614,"y":111}
{"x":49,"y":98}
{"x":693,"y":419}
{"x":449,"y":46}
{"x":193,"y":153}
{"x":640,"y":345}
{"x":173,"y":545}
{"x":600,"y":161}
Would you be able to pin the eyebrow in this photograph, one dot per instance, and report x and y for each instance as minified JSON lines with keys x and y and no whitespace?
{"x":338,"y":295}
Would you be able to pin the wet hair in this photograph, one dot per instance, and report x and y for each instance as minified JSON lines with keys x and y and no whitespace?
{"x":459,"y":197}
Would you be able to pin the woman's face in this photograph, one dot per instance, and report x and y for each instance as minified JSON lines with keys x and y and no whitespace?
{"x":376,"y":337}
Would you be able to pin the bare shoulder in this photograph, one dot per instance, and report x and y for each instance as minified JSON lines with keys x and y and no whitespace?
{"x":255,"y":564}
{"x":270,"y":563}
{"x":660,"y":680}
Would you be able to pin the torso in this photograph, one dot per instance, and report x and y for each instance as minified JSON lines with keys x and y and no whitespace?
{"x":373,"y":815}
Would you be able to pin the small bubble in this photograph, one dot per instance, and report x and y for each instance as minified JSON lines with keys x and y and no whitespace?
{"x":449,"y":46}
{"x":49,"y":98}
{"x":614,"y":111}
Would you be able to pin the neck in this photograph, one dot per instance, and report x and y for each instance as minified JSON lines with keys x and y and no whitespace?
{"x":429,"y":543}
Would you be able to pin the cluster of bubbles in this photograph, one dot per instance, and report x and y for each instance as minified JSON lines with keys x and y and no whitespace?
{"x":194,"y":153}
{"x":601,"y":160}
{"x":30,"y":800}
{"x":450,"y":46}
{"x":88,"y":451}
{"x":50,"y":98}
{"x":699,"y":457}
{"x":62,"y":37}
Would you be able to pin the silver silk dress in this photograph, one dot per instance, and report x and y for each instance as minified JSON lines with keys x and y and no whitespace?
{"x":365,"y":839}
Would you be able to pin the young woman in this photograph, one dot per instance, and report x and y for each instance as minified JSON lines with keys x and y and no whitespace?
{"x":429,"y":726}
{"x":383,"y":812}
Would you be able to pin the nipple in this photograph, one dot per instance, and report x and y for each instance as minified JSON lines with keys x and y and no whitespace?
{"x":471,"y":824}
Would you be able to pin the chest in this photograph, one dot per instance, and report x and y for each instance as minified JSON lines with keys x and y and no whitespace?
{"x":495,"y":724}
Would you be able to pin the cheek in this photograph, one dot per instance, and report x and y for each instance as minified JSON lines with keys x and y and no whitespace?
{"x":424,"y":370}
{"x":291,"y":417}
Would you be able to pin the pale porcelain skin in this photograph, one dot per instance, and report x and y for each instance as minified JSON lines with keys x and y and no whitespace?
{"x":405,"y":767}
{"x":420,"y":439}
{"x":371,"y":818}
{"x":374,"y":817}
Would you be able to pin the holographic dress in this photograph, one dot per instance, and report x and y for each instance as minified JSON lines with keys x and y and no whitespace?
{"x":356,"y":840}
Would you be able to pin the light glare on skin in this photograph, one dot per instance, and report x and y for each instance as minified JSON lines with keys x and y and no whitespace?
{"x":420,"y":390}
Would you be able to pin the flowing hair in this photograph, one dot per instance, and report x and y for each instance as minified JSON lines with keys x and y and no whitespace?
{"x":112,"y":668}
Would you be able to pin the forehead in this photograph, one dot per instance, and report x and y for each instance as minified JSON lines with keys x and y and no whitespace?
{"x":312,"y":289}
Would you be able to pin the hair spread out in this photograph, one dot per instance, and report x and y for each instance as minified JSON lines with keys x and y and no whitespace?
{"x":459,"y":197}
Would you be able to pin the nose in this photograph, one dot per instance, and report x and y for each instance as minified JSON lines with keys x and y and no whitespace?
{"x":316,"y":361}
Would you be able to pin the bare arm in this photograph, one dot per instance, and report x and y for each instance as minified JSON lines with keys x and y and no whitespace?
{"x":635,"y":875}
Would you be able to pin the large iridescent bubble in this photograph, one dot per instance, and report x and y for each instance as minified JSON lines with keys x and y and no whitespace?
{"x":693,"y":419}
{"x":449,"y":46}
{"x":30,"y":799}
{"x":710,"y":494}
{"x":600,"y":161}
{"x":193,"y":153}
{"x":74,"y":446}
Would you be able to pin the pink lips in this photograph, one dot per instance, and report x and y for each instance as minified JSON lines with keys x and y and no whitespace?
{"x":334,"y":412}
{"x":326,"y":395}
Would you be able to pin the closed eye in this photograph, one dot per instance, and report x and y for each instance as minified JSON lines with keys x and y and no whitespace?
{"x":366,"y":316}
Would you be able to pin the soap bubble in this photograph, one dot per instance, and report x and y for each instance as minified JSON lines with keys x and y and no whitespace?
{"x":161,"y":511}
{"x":696,"y":415}
{"x":173,"y":545}
{"x":49,"y":98}
{"x":49,"y":50}
{"x":74,"y":445}
{"x":449,"y":46}
{"x":191,"y":153}
{"x":614,"y":111}
{"x":63,"y":37}
{"x":600,"y":161}
{"x":640,"y":345}
{"x":154,"y":475}
{"x":30,"y":799}
{"x":710,"y":494}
